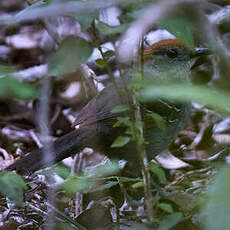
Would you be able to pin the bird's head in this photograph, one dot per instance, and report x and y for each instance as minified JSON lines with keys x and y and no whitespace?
{"x":171,"y":58}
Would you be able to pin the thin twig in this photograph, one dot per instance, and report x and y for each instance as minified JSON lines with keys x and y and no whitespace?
{"x":139,"y":137}
{"x":107,"y":66}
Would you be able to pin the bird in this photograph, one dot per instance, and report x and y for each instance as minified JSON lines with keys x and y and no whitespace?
{"x":166,"y":61}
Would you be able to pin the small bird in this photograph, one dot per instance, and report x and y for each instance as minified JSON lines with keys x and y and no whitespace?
{"x":167,"y":61}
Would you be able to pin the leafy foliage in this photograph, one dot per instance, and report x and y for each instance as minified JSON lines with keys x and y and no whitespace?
{"x":210,"y":97}
{"x":12,"y":186}
{"x":78,"y":51}
{"x":180,"y":27}
{"x":217,"y":205}
{"x":120,"y":142}
{"x":11,"y":87}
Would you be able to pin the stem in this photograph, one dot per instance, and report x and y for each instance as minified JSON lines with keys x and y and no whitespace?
{"x":107,"y":66}
{"x":139,"y":139}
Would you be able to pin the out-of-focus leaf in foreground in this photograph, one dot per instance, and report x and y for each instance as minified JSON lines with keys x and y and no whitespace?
{"x":71,"y":53}
{"x":30,"y":9}
{"x":10,"y":86}
{"x":12,"y":186}
{"x":5,"y":69}
{"x":180,"y":27}
{"x":217,"y":208}
{"x":170,"y":221}
{"x":211,"y":97}
{"x":85,"y":18}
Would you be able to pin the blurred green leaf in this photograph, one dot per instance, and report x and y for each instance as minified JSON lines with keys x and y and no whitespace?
{"x":120,"y":109}
{"x":100,"y":62}
{"x":77,"y":184}
{"x":10,"y":86}
{"x":216,"y":211}
{"x":109,"y":168}
{"x":109,"y":53}
{"x":111,"y":30}
{"x":159,"y":120}
{"x":180,"y":27}
{"x":139,"y":184}
{"x":30,"y":8}
{"x":139,"y":126}
{"x":5,"y":69}
{"x":170,"y":221}
{"x":60,"y":169}
{"x":120,"y":142}
{"x":12,"y":186}
{"x":186,"y":201}
{"x":135,"y":226}
{"x":166,"y":207}
{"x":105,"y":186}
{"x":71,"y":53}
{"x":211,"y":97}
{"x":128,"y":179}
{"x":86,"y":18}
{"x":124,"y":121}
{"x":158,"y":171}
{"x":65,"y":226}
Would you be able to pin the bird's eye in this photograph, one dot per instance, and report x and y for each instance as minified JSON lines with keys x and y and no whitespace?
{"x":172,"y":53}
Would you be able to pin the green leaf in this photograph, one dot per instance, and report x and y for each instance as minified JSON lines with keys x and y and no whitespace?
{"x":124,"y":120}
{"x":12,"y":186}
{"x":216,"y":211}
{"x":111,"y":30}
{"x":65,"y":226}
{"x":71,"y":53}
{"x":180,"y":27}
{"x":109,"y":168}
{"x":5,"y":69}
{"x":120,"y":109}
{"x":105,"y":186}
{"x":139,"y":184}
{"x":170,"y":221}
{"x":158,"y":171}
{"x":211,"y":97}
{"x":159,"y":120}
{"x":30,"y":9}
{"x":86,"y":18}
{"x":166,"y":207}
{"x":60,"y":169}
{"x":128,"y":179}
{"x":109,"y":53}
{"x":135,"y":226}
{"x":120,"y":142}
{"x":139,"y":126}
{"x":10,"y":86}
{"x":100,"y":62}
{"x":77,"y":184}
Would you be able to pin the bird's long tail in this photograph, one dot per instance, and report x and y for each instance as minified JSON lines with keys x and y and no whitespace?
{"x":62,"y":148}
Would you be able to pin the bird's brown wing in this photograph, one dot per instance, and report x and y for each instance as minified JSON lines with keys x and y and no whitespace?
{"x":99,"y":108}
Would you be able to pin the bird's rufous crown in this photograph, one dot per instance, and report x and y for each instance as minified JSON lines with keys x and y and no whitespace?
{"x":161,"y":45}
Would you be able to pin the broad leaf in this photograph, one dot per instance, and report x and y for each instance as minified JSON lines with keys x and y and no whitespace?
{"x":72,"y":52}
{"x":170,"y":221}
{"x":214,"y":98}
{"x":10,"y":86}
{"x":158,"y":171}
{"x":120,"y":142}
{"x":12,"y":186}
{"x":180,"y":27}
{"x":120,"y":109}
{"x":166,"y":207}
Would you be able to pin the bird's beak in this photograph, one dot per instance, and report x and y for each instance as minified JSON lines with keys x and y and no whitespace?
{"x":197,"y":55}
{"x":198,"y":52}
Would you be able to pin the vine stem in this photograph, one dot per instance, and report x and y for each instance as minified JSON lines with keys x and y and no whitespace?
{"x":139,"y":138}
